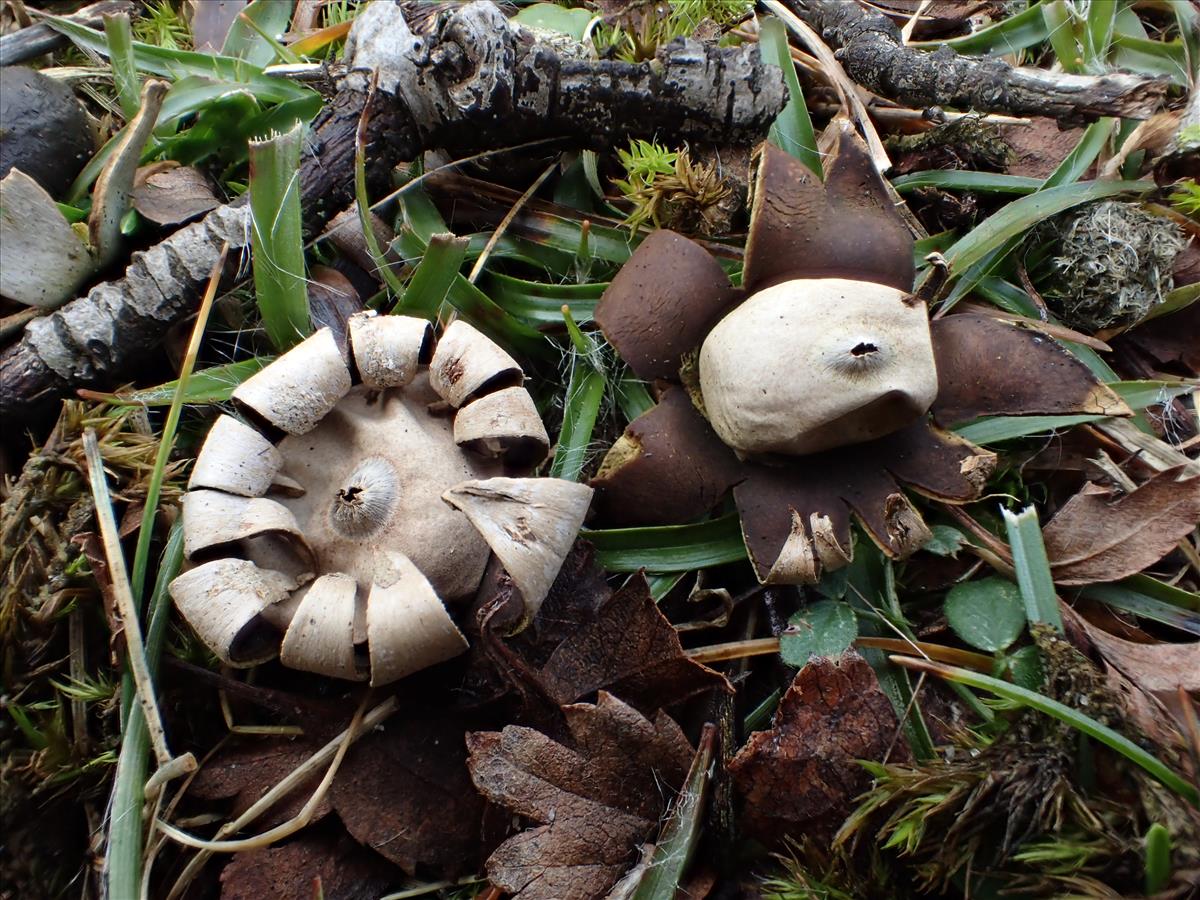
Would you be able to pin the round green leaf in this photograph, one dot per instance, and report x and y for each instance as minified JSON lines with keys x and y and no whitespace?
{"x":826,"y":628}
{"x":987,"y":613}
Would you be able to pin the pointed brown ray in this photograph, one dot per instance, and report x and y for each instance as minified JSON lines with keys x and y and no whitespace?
{"x":989,"y":367}
{"x":844,"y":228}
{"x":662,"y":303}
{"x":668,"y":467}
{"x":794,"y":522}
{"x":939,"y":464}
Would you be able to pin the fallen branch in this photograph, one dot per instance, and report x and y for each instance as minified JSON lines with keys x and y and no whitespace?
{"x":34,"y":40}
{"x":872,"y":52}
{"x":474,"y":83}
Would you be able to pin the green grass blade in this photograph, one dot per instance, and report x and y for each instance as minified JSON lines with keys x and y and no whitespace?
{"x":792,"y":130}
{"x":585,"y":391}
{"x":1018,"y":217}
{"x":959,"y":180}
{"x":1073,"y":717}
{"x":431,"y":280}
{"x":679,"y":836}
{"x":669,"y":548}
{"x":175,"y":64}
{"x":276,"y":238}
{"x":1032,"y":568}
{"x":1136,"y":394}
{"x":1160,"y":590}
{"x":1128,"y":600}
{"x":253,"y":35}
{"x":125,"y":830}
{"x":1061,"y":33}
{"x":1081,"y":157}
{"x":1157,"y":847}
{"x":1098,"y":34}
{"x":212,"y":385}
{"x":119,"y":34}
{"x":166,"y":438}
{"x":1010,"y":35}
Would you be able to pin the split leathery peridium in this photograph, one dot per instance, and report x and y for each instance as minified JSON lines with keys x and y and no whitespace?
{"x":818,"y":392}
{"x":327,"y":502}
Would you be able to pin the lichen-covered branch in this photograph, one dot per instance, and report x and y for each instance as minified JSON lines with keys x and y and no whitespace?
{"x":871,"y":51}
{"x":474,"y":83}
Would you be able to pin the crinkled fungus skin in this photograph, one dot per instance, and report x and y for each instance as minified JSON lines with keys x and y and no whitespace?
{"x":338,"y":535}
{"x":821,"y":393}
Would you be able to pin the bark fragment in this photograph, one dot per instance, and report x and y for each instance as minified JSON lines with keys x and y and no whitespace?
{"x":870,"y":48}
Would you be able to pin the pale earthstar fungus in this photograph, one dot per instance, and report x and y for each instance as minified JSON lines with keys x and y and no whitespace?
{"x":362,"y":495}
{"x":820,"y":390}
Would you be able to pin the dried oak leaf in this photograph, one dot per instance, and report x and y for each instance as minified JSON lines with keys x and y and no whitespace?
{"x":630,"y":650}
{"x":1094,"y":538}
{"x":404,"y":792}
{"x":592,"y":802}
{"x":313,"y":865}
{"x":587,"y":638}
{"x":800,"y":777}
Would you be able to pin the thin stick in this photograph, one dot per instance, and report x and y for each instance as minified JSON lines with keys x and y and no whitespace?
{"x":734,"y":650}
{"x":141,"y":554}
{"x":838,"y":77}
{"x":506,"y":221}
{"x":297,"y":777}
{"x":126,"y":610}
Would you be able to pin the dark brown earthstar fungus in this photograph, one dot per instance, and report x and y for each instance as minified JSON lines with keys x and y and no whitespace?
{"x":335,"y":545}
{"x":820,"y":390}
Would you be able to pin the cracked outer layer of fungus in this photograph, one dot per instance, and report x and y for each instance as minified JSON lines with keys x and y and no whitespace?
{"x":336,"y":545}
{"x":818,"y":391}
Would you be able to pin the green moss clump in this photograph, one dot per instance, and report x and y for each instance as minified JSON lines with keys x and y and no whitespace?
{"x":1111,"y":264}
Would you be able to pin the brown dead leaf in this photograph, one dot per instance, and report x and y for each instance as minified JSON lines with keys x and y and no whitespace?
{"x":211,"y":21}
{"x":245,"y":771}
{"x":592,"y":802}
{"x":631,"y":650}
{"x":313,"y":865}
{"x":1094,"y":538}
{"x":800,"y":778}
{"x":404,"y":792}
{"x":1039,"y":148}
{"x":586,"y":638}
{"x":1158,"y":668}
{"x":172,"y":196}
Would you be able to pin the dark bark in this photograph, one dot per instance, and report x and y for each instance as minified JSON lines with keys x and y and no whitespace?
{"x":471,"y":85}
{"x":870,"y":49}
{"x":26,"y":43}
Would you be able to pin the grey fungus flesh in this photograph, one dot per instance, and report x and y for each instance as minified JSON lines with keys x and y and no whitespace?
{"x":320,"y":637}
{"x":213,"y":519}
{"x":388,"y":349}
{"x":223,"y":600}
{"x":505,"y":424}
{"x":530,"y":524}
{"x":408,"y":628}
{"x":340,"y":552}
{"x":236,"y":459}
{"x":299,"y":388}
{"x":467,"y":363}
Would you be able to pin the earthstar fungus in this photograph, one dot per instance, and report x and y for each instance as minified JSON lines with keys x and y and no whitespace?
{"x":820,"y":390}
{"x":330,"y":530}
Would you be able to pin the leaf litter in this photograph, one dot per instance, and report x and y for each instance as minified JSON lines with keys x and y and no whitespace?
{"x":559,"y":761}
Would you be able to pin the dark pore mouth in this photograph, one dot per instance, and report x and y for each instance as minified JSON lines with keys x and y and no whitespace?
{"x":863,"y":349}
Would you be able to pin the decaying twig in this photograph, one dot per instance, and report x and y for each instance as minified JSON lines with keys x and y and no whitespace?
{"x":474,"y":82}
{"x":34,"y":40}
{"x":870,"y":48}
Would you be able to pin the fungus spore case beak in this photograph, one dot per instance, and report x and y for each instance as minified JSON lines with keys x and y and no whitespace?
{"x":817,"y":363}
